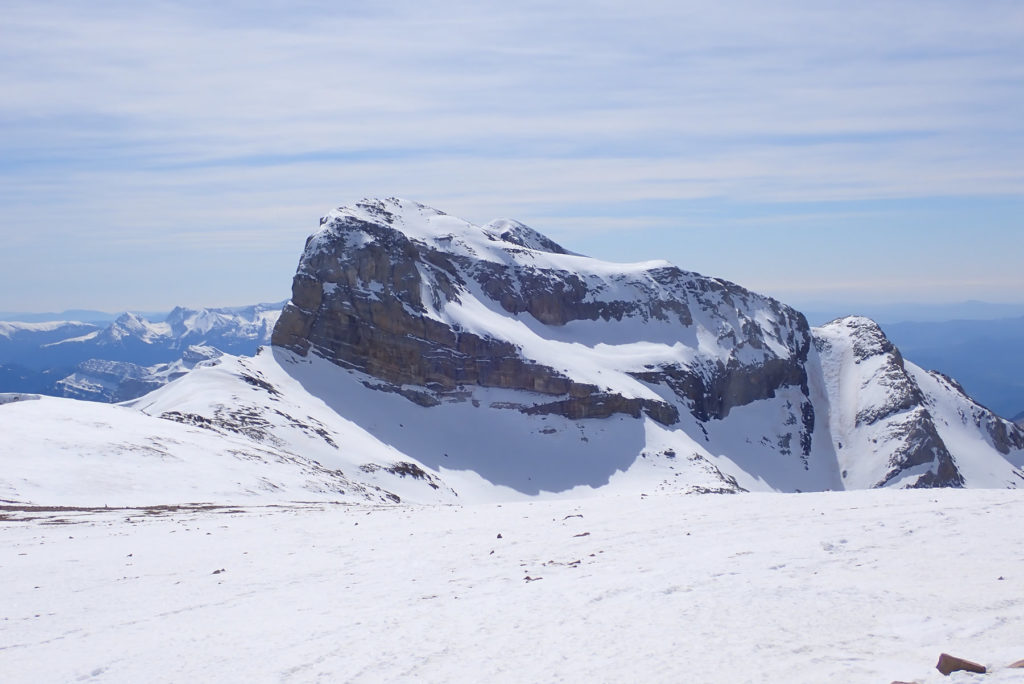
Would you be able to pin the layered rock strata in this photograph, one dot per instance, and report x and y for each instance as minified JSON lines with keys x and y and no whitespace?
{"x":385,"y":287}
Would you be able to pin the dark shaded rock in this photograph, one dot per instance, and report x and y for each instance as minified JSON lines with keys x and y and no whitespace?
{"x":1006,"y":436}
{"x":604,"y":404}
{"x":365,"y":294}
{"x":921,"y":444}
{"x":362,"y":309}
{"x":948,"y":664}
{"x":407,"y":469}
{"x":711,"y":391}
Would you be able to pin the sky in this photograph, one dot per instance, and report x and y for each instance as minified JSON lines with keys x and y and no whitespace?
{"x":163,"y":153}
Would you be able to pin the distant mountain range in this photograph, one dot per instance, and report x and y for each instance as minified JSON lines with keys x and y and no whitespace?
{"x":128,"y":356}
{"x":83,"y":315}
{"x":887,"y":314}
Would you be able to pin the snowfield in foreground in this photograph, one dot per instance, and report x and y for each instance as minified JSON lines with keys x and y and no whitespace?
{"x":865,"y":586}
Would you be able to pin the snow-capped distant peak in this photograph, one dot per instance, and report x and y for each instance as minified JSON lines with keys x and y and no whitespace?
{"x":131,"y":321}
{"x":9,"y":329}
{"x":135,"y":326}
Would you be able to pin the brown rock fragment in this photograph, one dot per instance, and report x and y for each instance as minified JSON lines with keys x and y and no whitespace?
{"x":948,"y":664}
{"x":1019,"y":665}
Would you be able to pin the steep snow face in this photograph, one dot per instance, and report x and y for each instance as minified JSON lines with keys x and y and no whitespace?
{"x":896,"y":425}
{"x":439,"y":310}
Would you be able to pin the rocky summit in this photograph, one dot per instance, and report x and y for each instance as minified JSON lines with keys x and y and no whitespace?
{"x":433,"y":305}
{"x":437,"y":310}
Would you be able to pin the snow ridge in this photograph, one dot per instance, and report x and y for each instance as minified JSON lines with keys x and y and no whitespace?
{"x":893,"y":424}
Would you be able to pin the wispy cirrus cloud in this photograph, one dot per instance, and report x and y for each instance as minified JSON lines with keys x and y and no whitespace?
{"x":163,"y":120}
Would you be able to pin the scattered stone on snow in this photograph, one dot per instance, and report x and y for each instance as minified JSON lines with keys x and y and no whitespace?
{"x":948,"y":664}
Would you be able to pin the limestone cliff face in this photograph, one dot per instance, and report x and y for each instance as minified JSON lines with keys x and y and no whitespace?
{"x":434,"y":306}
{"x":705,"y":383}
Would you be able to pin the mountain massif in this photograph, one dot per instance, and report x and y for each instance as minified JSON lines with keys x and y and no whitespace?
{"x":425,"y":358}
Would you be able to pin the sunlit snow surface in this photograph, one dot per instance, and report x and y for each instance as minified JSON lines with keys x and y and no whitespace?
{"x":865,"y":586}
{"x":243,"y":523}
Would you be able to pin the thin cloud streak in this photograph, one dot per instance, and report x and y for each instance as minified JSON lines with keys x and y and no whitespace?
{"x":168,"y":121}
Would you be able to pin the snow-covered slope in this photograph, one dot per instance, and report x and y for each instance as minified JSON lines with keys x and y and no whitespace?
{"x":485,"y":449}
{"x":300,"y":414}
{"x":64,"y":452}
{"x":852,"y":588}
{"x":895,"y":424}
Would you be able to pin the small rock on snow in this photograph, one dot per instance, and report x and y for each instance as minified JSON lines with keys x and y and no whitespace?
{"x":948,"y":664}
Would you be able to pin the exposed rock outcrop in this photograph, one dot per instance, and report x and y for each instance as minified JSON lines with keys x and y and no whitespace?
{"x":391,"y":288}
{"x":892,"y":421}
{"x":417,"y":303}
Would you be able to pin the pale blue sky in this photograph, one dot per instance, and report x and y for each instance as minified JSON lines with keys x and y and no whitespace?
{"x":163,"y":153}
